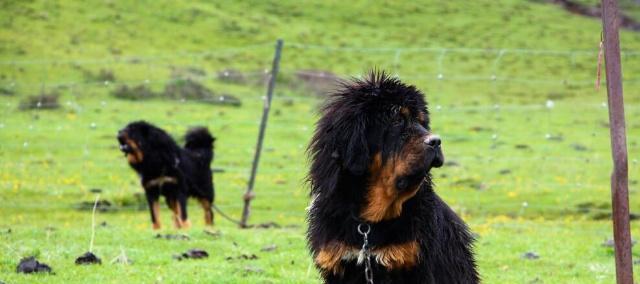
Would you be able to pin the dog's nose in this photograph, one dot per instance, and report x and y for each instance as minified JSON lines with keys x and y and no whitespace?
{"x":433,"y":141}
{"x":120,"y":134}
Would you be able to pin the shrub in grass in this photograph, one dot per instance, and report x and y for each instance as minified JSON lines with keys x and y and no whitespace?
{"x":318,"y":82}
{"x":6,"y":92}
{"x":187,"y":89}
{"x":42,"y":101}
{"x":104,"y":75}
{"x":139,"y":92}
{"x":192,"y":90}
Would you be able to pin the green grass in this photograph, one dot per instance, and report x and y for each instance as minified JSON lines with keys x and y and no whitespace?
{"x":526,"y":177}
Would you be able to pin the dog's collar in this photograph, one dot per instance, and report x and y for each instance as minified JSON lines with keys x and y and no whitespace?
{"x":364,"y":256}
{"x":160,"y":181}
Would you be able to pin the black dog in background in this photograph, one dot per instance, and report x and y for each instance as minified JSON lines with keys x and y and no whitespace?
{"x":169,"y":170}
{"x":374,"y":215}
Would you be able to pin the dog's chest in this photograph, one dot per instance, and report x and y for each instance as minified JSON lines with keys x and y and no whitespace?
{"x":393,"y":256}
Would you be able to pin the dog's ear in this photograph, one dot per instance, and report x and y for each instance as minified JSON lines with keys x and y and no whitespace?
{"x":144,"y":129}
{"x":354,"y":153}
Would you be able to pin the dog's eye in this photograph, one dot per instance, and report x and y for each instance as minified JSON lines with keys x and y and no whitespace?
{"x":402,"y":183}
{"x":397,"y":121}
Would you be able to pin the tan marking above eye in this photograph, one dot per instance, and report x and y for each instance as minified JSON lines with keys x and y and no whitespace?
{"x":421,"y":117}
{"x":405,"y":111}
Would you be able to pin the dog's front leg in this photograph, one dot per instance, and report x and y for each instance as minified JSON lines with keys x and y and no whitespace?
{"x":153,"y":199}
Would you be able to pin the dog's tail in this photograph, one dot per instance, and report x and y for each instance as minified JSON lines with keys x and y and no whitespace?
{"x":200,"y":141}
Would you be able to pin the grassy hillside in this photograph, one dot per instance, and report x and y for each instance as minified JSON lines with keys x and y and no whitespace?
{"x":510,"y":84}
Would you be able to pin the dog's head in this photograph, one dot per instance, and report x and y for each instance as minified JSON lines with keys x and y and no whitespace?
{"x":375,"y":131}
{"x":140,"y":139}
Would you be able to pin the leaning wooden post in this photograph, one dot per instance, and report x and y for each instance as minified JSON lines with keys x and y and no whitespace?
{"x":263,"y":125}
{"x":619,"y":177}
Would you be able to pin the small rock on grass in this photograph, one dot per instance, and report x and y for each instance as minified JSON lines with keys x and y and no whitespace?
{"x":212,"y":233}
{"x":193,"y":254}
{"x":268,"y":225}
{"x":579,"y":147}
{"x":243,"y":257}
{"x":536,"y":280}
{"x":530,"y":255}
{"x":252,"y":269}
{"x":270,"y":247}
{"x":181,"y":237}
{"x":611,"y":243}
{"x":31,"y":265}
{"x":88,"y":258}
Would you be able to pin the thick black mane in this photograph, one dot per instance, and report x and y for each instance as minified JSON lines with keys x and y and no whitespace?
{"x":340,"y":143}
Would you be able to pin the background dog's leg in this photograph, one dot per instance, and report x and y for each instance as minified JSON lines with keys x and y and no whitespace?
{"x":182,"y":206}
{"x":154,"y":208}
{"x":208,"y":213}
{"x":177,"y":212}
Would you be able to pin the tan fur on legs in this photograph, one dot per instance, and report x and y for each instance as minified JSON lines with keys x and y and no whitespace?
{"x":208,"y":213}
{"x":177,"y":212}
{"x":155,"y":208}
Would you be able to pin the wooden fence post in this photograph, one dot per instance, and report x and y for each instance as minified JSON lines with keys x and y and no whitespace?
{"x":619,"y":177}
{"x":263,"y":125}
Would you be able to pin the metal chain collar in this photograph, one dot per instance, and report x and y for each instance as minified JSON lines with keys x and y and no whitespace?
{"x":365,"y":253}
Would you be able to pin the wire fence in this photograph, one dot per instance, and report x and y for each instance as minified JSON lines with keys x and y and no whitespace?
{"x":520,"y":122}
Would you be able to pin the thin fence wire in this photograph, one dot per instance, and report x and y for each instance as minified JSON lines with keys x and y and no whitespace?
{"x":397,"y":56}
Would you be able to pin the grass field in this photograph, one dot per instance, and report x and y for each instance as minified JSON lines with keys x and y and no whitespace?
{"x":510,"y":84}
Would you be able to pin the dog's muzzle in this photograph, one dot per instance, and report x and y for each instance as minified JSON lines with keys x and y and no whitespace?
{"x":124,"y":146}
{"x":434,"y":143}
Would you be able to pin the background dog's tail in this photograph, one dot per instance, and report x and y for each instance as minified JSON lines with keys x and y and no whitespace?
{"x":200,"y":141}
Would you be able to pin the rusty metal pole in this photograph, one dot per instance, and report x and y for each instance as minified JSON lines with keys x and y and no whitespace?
{"x":619,"y":177}
{"x":263,"y":125}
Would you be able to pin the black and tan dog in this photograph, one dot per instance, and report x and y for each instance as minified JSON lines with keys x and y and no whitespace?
{"x":171,"y":171}
{"x":371,"y":156}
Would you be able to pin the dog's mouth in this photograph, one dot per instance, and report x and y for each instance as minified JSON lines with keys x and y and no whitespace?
{"x":129,"y":147}
{"x":125,"y":148}
{"x":435,"y":158}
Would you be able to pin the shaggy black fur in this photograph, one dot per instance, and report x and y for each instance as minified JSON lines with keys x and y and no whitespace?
{"x":380,"y":115}
{"x":171,"y":171}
